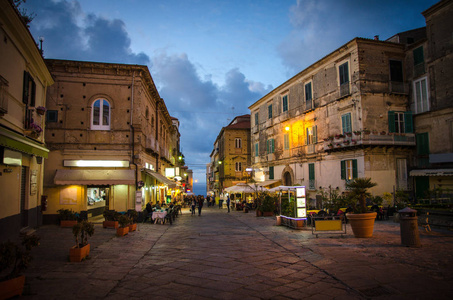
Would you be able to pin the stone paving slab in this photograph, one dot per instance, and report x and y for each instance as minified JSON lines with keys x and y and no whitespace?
{"x":221,"y":255}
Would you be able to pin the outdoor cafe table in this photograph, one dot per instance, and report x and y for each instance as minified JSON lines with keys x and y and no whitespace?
{"x":159,"y":216}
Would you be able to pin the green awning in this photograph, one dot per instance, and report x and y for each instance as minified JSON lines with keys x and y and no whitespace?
{"x":21,"y":143}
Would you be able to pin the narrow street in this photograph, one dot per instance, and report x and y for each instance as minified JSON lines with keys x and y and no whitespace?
{"x":222,"y":255}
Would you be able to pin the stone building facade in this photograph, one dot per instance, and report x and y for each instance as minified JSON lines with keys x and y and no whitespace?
{"x":110,"y":135}
{"x":24,"y":79}
{"x":336,"y":121}
{"x":231,"y":155}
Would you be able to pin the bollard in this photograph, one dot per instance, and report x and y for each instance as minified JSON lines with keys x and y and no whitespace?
{"x":409,"y":227}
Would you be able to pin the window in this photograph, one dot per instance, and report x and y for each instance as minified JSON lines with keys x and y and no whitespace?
{"x":52,"y":116}
{"x":256,"y":119}
{"x":100,"y":115}
{"x":256,"y":149}
{"x":419,"y":61}
{"x":396,"y":70}
{"x":311,"y":176}
{"x":238,"y":143}
{"x":285,"y":103}
{"x":311,"y":135}
{"x":269,"y":111}
{"x":400,"y":122}
{"x":238,"y":167}
{"x":308,"y":96}
{"x":270,"y":146}
{"x":343,"y":73}
{"x":349,"y":169}
{"x":29,"y":90}
{"x":271,"y":172}
{"x":422,"y":142}
{"x":421,"y":95}
{"x":286,"y":141}
{"x":346,"y":123}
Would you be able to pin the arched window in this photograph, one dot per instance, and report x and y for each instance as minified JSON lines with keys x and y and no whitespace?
{"x":100,"y":115}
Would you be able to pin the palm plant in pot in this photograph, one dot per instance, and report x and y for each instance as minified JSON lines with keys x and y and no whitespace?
{"x":123,"y":229}
{"x":14,"y":259}
{"x":267,"y":206}
{"x":362,"y":220}
{"x":81,"y":231}
{"x":111,"y":219}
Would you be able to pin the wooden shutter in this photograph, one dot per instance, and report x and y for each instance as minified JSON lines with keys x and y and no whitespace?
{"x":408,"y":123}
{"x":391,"y":117}
{"x":311,"y":171}
{"x":354,"y":169}
{"x":343,"y":169}
{"x":315,"y":134}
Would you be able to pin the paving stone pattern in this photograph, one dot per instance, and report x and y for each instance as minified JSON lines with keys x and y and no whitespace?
{"x":237,"y":255}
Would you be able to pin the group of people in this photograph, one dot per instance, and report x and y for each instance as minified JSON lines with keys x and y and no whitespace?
{"x":195,"y":202}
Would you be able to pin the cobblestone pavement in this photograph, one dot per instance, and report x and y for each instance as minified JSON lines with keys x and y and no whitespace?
{"x":221,"y":255}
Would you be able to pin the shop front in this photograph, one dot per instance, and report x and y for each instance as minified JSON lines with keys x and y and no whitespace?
{"x":91,"y":192}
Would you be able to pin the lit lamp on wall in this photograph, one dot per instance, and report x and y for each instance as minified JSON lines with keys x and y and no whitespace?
{"x":287,"y":128}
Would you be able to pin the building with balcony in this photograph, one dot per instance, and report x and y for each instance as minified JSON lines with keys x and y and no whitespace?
{"x":231,"y":155}
{"x":345,"y":116}
{"x":110,"y":135}
{"x":24,"y":79}
{"x":429,"y":65}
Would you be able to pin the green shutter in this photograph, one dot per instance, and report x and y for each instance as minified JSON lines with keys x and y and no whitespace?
{"x":271,"y":172}
{"x":267,"y":146}
{"x":354,"y":168}
{"x":391,"y":116}
{"x":343,"y":169}
{"x":273,"y":145}
{"x":306,"y":136}
{"x":311,"y":171}
{"x":315,"y":134}
{"x":256,"y":149}
{"x":418,"y":56}
{"x":408,"y":127}
{"x":25,"y":91}
{"x":422,"y":141}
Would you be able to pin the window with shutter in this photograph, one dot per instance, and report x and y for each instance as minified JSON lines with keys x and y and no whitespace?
{"x":271,"y":172}
{"x":285,"y":103}
{"x":346,"y":123}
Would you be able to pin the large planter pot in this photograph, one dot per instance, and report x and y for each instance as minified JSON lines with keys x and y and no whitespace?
{"x":122,"y":231}
{"x":279,"y":221}
{"x":268,"y":214}
{"x":78,"y":254}
{"x":12,"y":287}
{"x":68,"y":223}
{"x":110,"y":224}
{"x":362,"y":224}
{"x":132,"y":227}
{"x":259,"y":213}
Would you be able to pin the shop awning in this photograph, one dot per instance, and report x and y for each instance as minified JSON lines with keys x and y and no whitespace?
{"x":432,"y":172}
{"x":94,"y":177}
{"x":162,"y":179}
{"x":268,"y":183}
{"x":21,"y":143}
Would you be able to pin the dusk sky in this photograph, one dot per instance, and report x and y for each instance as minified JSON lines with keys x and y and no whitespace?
{"x":210,"y":60}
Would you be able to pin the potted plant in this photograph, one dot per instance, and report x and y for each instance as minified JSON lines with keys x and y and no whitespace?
{"x":330,"y":145}
{"x":346,"y":142}
{"x":132,"y":220}
{"x":68,"y":218}
{"x":362,"y":220}
{"x":14,"y":259}
{"x":349,"y":134}
{"x":357,"y":133}
{"x":123,"y":228}
{"x":41,"y":110}
{"x":267,"y":207}
{"x":366,"y":131}
{"x":81,"y":231}
{"x":111,"y":219}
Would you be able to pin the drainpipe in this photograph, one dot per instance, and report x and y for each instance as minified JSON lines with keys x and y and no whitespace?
{"x":157,"y":133}
{"x":133,"y":132}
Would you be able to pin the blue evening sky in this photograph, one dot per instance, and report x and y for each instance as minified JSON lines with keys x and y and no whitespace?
{"x":211,"y":59}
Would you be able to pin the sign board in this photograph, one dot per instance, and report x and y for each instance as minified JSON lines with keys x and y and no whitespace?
{"x":301,"y":208}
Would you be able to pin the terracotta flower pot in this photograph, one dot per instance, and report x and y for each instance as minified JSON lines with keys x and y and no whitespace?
{"x":78,"y":254}
{"x":362,"y":224}
{"x":132,"y":227}
{"x":122,"y":231}
{"x":110,"y":224}
{"x":267,"y":214}
{"x":68,"y":223}
{"x":12,"y":287}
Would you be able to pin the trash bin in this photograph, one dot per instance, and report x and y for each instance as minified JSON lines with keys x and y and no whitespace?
{"x":409,"y":227}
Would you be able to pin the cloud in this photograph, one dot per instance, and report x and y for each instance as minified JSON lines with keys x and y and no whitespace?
{"x":320,"y":27}
{"x":70,"y":34}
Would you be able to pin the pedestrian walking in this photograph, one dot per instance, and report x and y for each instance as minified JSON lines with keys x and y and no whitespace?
{"x":200,"y":204}
{"x":193,"y":204}
{"x":228,"y":202}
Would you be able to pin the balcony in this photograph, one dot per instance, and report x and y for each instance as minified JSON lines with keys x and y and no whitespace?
{"x":381,"y":139}
{"x":150,"y":144}
{"x":344,"y":90}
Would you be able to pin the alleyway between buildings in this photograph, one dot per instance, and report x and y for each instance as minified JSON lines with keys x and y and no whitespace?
{"x":221,"y":255}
